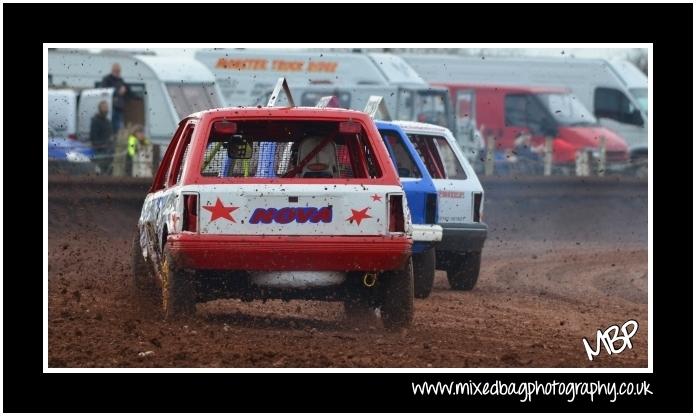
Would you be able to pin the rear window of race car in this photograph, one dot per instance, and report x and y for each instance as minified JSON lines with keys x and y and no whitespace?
{"x":438,"y":156}
{"x":308,"y":149}
{"x":400,"y":155}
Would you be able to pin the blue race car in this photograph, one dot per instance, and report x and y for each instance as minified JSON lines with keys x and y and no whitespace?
{"x":421,"y":196}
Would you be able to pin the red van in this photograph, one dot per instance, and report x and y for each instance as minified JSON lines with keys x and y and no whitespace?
{"x":508,"y":112}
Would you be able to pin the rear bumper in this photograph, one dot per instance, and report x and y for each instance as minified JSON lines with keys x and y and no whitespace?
{"x":463,"y":237}
{"x":425,"y":236}
{"x":271,"y":253}
{"x":427,"y":232}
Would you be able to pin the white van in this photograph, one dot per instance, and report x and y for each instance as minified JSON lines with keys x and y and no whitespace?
{"x":163,"y":89}
{"x":247,"y":76}
{"x":615,"y":91}
{"x":244,"y":75}
{"x":634,"y":79}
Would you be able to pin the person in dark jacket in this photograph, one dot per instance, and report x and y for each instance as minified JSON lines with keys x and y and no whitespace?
{"x":100,"y":132}
{"x":121,"y":91}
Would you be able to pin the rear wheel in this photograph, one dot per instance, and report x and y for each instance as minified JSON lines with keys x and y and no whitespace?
{"x":423,"y":273}
{"x":178,"y":290}
{"x":397,"y":304}
{"x":463,"y":270}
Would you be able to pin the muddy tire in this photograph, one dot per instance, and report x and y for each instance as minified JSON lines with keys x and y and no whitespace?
{"x":423,"y":273}
{"x":143,"y":281}
{"x":178,"y":290}
{"x":463,"y":270}
{"x":397,"y":304}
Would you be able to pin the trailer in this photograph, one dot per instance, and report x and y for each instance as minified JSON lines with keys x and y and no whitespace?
{"x":163,"y":90}
{"x":62,"y":112}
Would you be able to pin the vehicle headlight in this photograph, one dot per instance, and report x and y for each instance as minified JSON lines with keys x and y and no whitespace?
{"x":73,"y":156}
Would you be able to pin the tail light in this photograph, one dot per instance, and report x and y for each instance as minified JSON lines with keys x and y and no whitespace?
{"x":478,"y":197}
{"x":396,"y":214}
{"x":430,"y":208}
{"x":72,"y":136}
{"x":190,"y":213}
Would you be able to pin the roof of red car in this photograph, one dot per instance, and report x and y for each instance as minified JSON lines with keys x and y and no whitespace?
{"x":502,"y":87}
{"x":280,"y":112}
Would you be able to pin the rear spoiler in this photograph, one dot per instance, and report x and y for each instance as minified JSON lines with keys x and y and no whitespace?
{"x":282,"y":83}
{"x":376,"y":103}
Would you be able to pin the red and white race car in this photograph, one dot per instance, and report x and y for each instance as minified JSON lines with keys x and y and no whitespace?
{"x":273,"y":202}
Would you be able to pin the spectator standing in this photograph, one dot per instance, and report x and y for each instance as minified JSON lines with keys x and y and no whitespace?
{"x":121,"y":91}
{"x":100,"y":135}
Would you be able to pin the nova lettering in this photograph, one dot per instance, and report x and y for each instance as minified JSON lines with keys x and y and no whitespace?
{"x":291,"y":214}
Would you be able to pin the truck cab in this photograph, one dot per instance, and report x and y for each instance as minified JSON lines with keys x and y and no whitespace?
{"x":510,"y":113}
{"x":277,"y":202}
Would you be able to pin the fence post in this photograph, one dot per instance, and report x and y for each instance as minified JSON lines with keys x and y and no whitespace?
{"x":602,"y":155}
{"x":548,"y":156}
{"x":120,"y":149}
{"x":142,"y":163}
{"x":582,"y":163}
{"x":490,"y":155}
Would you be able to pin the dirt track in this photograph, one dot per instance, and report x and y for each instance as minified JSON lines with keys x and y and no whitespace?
{"x":534,"y":303}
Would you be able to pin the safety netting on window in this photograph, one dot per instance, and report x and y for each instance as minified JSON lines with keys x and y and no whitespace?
{"x":288,"y":149}
{"x":267,"y":159}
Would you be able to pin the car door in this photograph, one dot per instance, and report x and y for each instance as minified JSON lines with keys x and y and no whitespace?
{"x":158,"y":216}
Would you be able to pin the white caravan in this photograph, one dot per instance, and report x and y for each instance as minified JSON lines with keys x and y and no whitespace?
{"x":62,"y":113}
{"x":163,"y":89}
